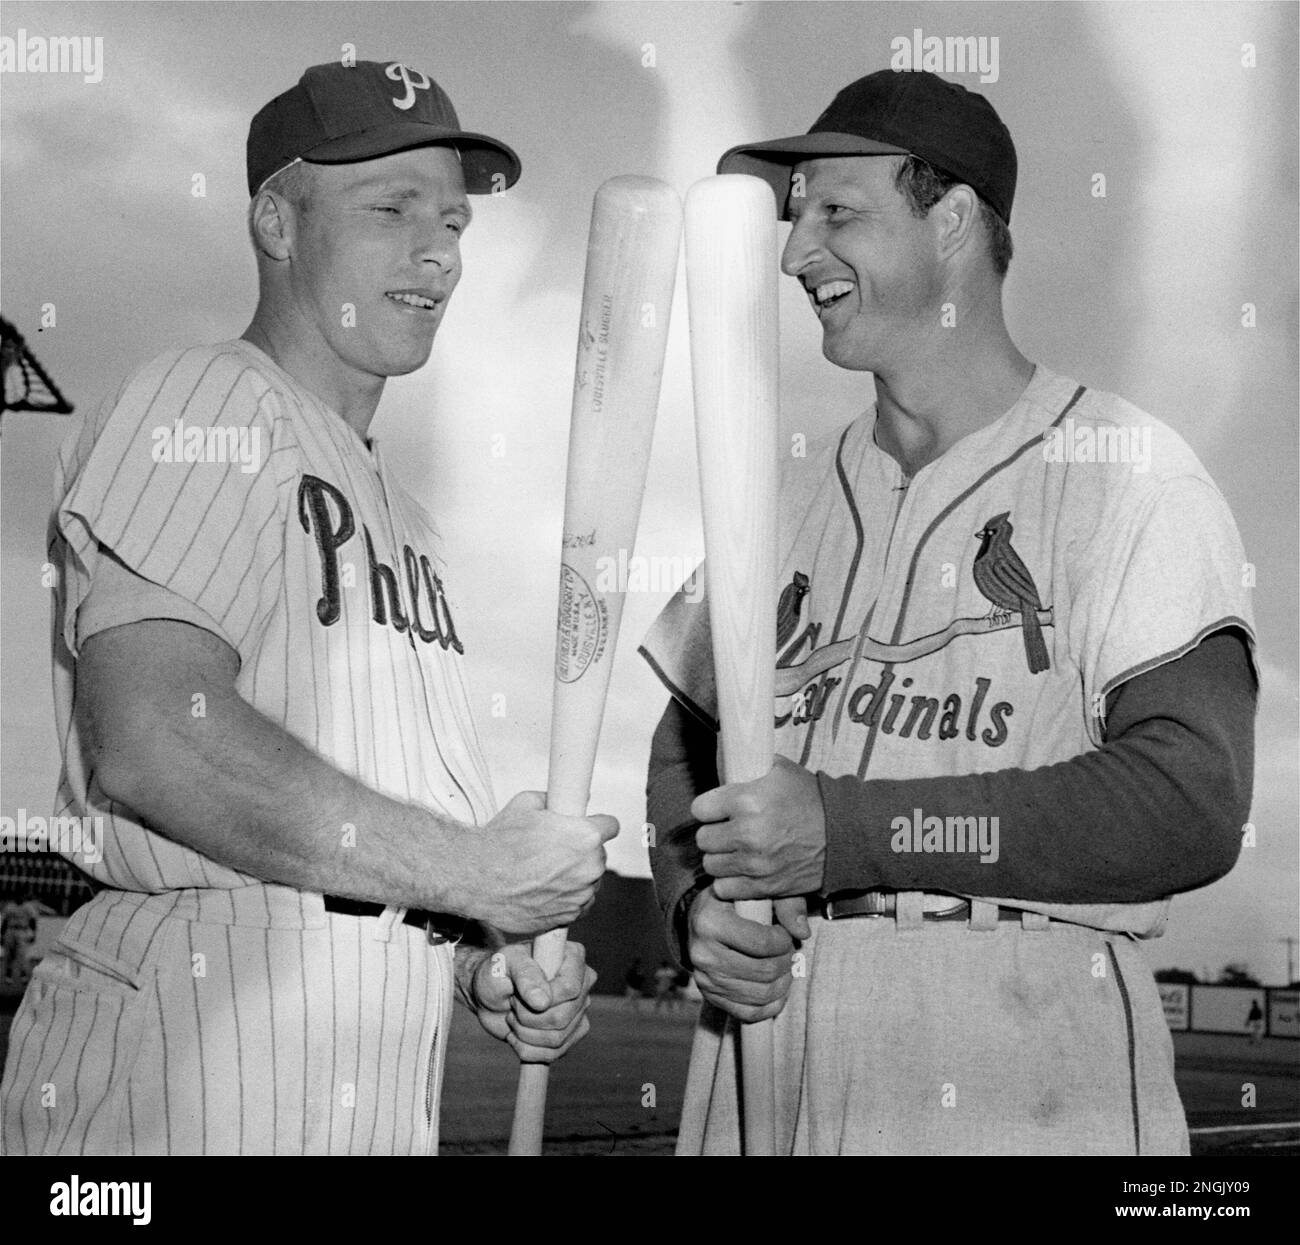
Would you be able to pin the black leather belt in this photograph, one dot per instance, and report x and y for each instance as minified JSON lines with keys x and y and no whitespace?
{"x":845,"y":904}
{"x":440,"y":926}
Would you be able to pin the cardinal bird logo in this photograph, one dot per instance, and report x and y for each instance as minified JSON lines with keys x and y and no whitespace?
{"x":788,"y":607}
{"x":1005,"y":580}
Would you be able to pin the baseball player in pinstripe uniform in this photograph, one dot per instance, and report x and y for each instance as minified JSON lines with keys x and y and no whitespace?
{"x":1015,"y":707}
{"x":259,"y":689}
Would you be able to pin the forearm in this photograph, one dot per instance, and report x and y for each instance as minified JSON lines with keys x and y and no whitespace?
{"x":683,"y":763}
{"x":238,"y":788}
{"x":1103,"y":827}
{"x":1158,"y":809}
{"x":675,"y":861}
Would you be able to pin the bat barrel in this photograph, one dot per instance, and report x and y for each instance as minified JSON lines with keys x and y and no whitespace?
{"x":731,"y":284}
{"x":632,"y":250}
{"x":731,"y":272}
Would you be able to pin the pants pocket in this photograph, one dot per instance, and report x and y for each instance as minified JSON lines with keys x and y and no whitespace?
{"x":77,"y":965}
{"x":73,"y":1045}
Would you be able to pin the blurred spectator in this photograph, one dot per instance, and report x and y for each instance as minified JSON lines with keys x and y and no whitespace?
{"x":666,"y":992}
{"x":1255,"y":1023}
{"x":634,"y":986}
{"x":18,"y":922}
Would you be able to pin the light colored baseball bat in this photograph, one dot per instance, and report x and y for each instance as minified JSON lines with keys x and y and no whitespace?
{"x":731,"y":281}
{"x":632,"y":248}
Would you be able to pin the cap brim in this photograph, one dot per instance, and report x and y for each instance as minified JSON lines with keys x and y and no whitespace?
{"x":488,"y":164}
{"x":773,"y":160}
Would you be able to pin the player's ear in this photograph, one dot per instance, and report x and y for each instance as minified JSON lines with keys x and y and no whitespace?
{"x":271,"y":224}
{"x":954,"y":218}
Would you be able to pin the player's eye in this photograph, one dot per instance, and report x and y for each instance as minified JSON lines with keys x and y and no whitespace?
{"x":386,"y":207}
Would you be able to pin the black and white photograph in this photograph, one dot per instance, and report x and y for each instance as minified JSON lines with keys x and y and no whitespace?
{"x":650,"y":578}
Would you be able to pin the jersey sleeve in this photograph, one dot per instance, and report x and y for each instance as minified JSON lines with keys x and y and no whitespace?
{"x":1162,"y":571}
{"x":679,"y":649}
{"x":180,"y":480}
{"x":118,"y":596}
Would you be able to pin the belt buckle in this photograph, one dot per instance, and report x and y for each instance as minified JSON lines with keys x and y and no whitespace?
{"x":876,"y":899}
{"x":433,"y":935}
{"x":958,"y":910}
{"x":438,"y":937}
{"x":881,"y":899}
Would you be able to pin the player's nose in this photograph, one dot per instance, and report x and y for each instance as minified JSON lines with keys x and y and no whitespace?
{"x":441,"y":246}
{"x":802,"y":247}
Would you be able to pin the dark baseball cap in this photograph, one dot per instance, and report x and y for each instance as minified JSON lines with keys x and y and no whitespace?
{"x":341,"y":114}
{"x":897,"y":112}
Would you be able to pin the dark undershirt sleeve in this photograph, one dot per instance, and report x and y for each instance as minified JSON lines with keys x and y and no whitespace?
{"x":1157,"y":809}
{"x":683,"y":763}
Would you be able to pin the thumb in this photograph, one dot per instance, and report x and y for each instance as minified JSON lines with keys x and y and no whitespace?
{"x":792,"y":915}
{"x":530,"y":800}
{"x":530,"y":983}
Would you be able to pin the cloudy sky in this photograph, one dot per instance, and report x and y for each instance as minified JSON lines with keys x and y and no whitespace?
{"x":1140,"y":293}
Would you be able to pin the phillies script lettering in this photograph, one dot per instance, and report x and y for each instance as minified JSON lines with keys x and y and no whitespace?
{"x":410,"y":599}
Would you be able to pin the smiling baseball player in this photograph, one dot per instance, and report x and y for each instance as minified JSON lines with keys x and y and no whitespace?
{"x":270,"y":715}
{"x":1016,"y":695}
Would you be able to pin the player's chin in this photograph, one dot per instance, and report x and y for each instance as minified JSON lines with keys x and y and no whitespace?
{"x":403,"y":358}
{"x":842,"y":350}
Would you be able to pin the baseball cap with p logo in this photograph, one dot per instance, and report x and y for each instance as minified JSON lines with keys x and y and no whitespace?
{"x":897,"y":112}
{"x":342,"y":114}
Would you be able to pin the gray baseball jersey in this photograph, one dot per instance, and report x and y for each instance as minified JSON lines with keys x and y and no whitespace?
{"x":971,"y":619}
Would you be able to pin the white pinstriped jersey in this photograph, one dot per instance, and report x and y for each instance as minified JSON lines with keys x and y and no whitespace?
{"x":323,"y":575}
{"x":197,"y":1010}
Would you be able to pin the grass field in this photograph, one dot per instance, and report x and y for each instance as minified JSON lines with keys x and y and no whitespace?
{"x":596,"y":1092}
{"x":599,"y":1093}
{"x":595,"y":1098}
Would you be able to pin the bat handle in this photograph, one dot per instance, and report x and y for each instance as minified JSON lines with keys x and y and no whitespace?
{"x":530,"y":1095}
{"x":758,"y":1061}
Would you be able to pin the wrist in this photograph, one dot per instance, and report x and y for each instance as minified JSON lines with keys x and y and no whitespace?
{"x":848,"y":817}
{"x":682,"y":916}
{"x":467,"y":964}
{"x":448,"y":856}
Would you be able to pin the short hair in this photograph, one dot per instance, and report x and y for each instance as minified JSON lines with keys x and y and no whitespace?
{"x":295,"y":182}
{"x":922,"y":185}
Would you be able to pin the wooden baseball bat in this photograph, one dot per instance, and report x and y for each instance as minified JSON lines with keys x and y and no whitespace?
{"x":632,"y":247}
{"x":731,"y":280}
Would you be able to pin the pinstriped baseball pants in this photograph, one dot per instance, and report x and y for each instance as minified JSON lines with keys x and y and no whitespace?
{"x":228,"y":1022}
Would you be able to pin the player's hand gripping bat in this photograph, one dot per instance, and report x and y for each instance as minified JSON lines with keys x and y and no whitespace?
{"x":731,"y":276}
{"x":627,"y":294}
